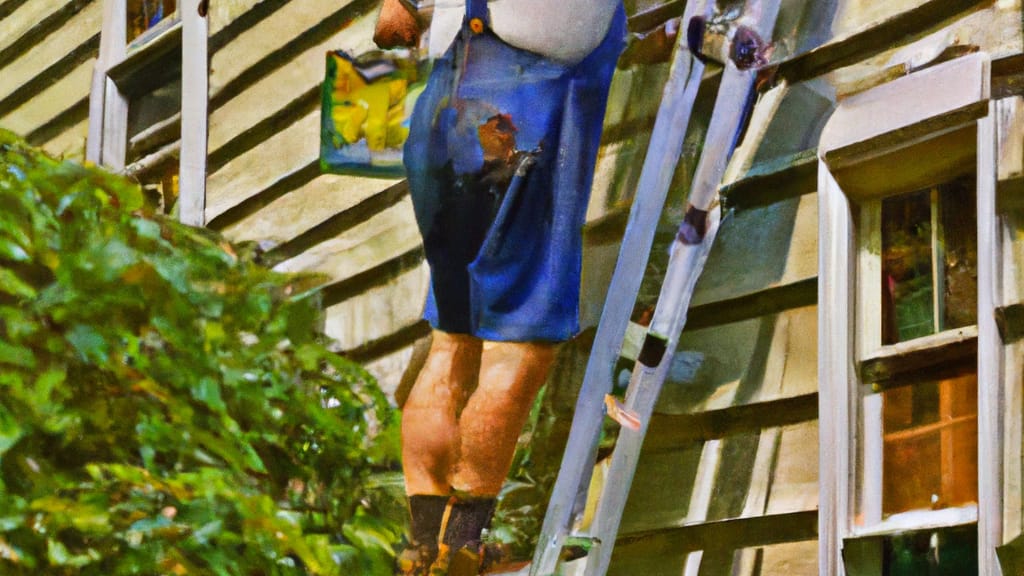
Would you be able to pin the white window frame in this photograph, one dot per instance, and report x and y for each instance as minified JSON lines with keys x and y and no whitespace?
{"x":108,"y":105}
{"x":878,"y":130}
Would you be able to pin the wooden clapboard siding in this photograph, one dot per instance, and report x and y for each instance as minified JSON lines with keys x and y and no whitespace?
{"x":769,"y":470}
{"x":47,"y":50}
{"x":394,"y":343}
{"x":327,"y":204}
{"x":48,"y":104}
{"x":389,"y":368}
{"x":244,"y":177}
{"x":390,"y":233}
{"x":303,"y":73}
{"x":34,"y":22}
{"x":861,"y":43}
{"x":69,"y":144}
{"x":787,"y":237}
{"x":380,"y":310}
{"x":81,"y":29}
{"x":663,"y":552}
{"x":19,"y":25}
{"x":227,"y":19}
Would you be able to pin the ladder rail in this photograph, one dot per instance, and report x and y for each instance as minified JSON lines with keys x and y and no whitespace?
{"x":684,"y":269}
{"x":679,"y":96}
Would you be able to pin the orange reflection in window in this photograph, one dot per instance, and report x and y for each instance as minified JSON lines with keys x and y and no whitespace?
{"x":930,"y":458}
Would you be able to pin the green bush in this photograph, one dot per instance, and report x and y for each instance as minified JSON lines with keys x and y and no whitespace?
{"x":166,"y":406}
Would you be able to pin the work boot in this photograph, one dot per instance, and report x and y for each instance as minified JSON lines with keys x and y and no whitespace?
{"x":425,"y":513}
{"x":461,"y":552}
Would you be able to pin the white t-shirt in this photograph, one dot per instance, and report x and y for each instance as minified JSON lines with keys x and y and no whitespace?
{"x":563,"y":30}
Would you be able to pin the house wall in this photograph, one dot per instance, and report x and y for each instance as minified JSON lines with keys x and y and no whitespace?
{"x":729,"y":468}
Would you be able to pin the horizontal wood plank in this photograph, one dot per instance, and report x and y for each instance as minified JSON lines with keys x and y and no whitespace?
{"x":48,"y":104}
{"x":361,"y":248}
{"x":875,"y":38}
{"x":393,"y":301}
{"x":773,"y":181}
{"x":33,"y":24}
{"x":900,"y":361}
{"x":669,"y":432}
{"x":80,"y":29}
{"x":723,"y":534}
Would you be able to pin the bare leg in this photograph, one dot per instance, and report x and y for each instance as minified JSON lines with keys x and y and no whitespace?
{"x":430,"y":429}
{"x":511,"y":373}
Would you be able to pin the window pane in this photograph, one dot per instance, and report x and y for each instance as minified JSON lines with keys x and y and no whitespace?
{"x":145,"y":14}
{"x":946,"y":552}
{"x":907,"y":284}
{"x":960,"y":235}
{"x":930,"y":457}
{"x":929,"y":261}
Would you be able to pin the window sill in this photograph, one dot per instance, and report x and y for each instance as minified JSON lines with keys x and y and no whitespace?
{"x":918,"y":520}
{"x":919,"y":358}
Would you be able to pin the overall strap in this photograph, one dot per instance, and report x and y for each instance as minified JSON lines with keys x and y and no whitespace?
{"x":477,"y":9}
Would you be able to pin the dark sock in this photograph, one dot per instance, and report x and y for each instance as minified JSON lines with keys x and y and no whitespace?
{"x":468,"y":519}
{"x":426,"y":512}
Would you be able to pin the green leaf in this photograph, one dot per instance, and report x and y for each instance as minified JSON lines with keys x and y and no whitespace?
{"x":10,"y":250}
{"x":207,"y":391}
{"x":19,"y":356}
{"x":10,"y":431}
{"x":15,"y":286}
{"x":88,"y":342}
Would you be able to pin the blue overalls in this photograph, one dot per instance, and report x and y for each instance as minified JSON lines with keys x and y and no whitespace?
{"x":500,"y":160}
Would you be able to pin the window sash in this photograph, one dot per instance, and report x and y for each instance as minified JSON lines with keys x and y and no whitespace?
{"x":119,"y":72}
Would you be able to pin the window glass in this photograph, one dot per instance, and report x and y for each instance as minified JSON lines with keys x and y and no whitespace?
{"x":907,"y":267}
{"x":929,"y":261}
{"x":960,"y":250}
{"x":152,"y":127}
{"x":930,"y":454}
{"x":145,"y":14}
{"x":946,"y":552}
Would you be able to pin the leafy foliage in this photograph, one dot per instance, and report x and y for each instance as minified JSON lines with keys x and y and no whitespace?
{"x":166,"y":406}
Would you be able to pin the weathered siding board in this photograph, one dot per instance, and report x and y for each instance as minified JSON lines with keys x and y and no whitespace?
{"x":792,"y":559}
{"x":663,"y":552}
{"x":246,"y":176}
{"x":16,"y":26}
{"x":304,"y":72}
{"x":49,"y":103}
{"x":758,"y":360}
{"x":390,"y":233}
{"x":69,"y":144}
{"x":379,"y":311}
{"x":876,"y":37}
{"x":78,"y":112}
{"x":79,"y":30}
{"x":734,"y":270}
{"x":226,"y":13}
{"x":327,"y":197}
{"x":794,"y":485}
{"x":996,"y":30}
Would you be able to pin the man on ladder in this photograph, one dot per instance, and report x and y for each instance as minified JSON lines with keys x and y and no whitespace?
{"x":500,"y":161}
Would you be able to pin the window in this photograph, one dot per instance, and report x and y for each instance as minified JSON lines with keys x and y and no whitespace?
{"x":910,"y":448}
{"x":148,"y":104}
{"x":917,"y":287}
